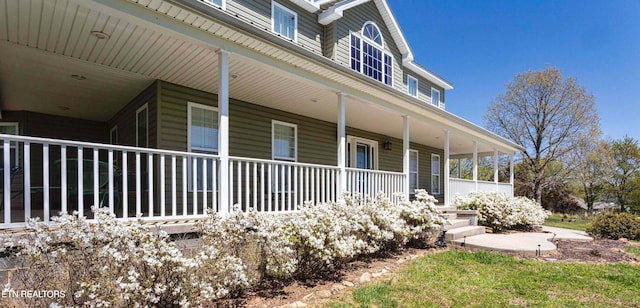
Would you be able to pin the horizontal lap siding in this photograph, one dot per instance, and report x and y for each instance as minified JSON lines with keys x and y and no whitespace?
{"x":249,"y":127}
{"x":58,"y":127}
{"x":125,"y":119}
{"x":353,"y":20}
{"x":258,"y":13}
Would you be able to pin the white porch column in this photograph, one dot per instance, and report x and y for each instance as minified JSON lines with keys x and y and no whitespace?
{"x":446,"y":168}
{"x":342,"y":145}
{"x":223,"y":130}
{"x":405,"y":160}
{"x":475,"y":164}
{"x":495,"y":169}
{"x":511,"y":173}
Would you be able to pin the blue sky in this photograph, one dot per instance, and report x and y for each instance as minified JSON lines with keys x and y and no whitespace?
{"x":480,"y":45}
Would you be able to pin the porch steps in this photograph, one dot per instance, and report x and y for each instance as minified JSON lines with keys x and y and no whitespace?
{"x":463,"y":223}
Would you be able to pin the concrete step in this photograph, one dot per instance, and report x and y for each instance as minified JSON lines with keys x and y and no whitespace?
{"x":458,"y":233}
{"x":446,"y":209}
{"x":458,"y":223}
{"x":450,"y":216}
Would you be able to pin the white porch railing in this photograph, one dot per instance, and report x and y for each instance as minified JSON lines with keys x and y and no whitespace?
{"x":279,"y":186}
{"x":41,"y":177}
{"x":464,"y":187}
{"x":370,"y":182}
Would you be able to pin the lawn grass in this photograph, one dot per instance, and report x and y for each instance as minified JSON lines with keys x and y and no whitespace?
{"x":556,"y":220}
{"x":634,"y":249}
{"x":484,"y":279}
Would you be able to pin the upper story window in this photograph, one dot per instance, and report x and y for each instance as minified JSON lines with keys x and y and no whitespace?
{"x":214,"y":3}
{"x":284,"y":21}
{"x":435,"y":97}
{"x":368,"y":56}
{"x":412,"y":86}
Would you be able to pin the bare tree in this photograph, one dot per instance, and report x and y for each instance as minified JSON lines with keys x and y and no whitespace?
{"x":547,"y":115}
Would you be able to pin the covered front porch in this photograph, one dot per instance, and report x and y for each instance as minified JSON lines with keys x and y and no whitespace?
{"x":109,"y":121}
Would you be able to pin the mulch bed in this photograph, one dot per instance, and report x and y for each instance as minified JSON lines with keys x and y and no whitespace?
{"x":600,"y":251}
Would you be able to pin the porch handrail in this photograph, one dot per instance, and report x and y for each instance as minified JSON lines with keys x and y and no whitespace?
{"x":101,"y":146}
{"x":376,"y":171}
{"x":158,"y":181}
{"x":282,"y":162}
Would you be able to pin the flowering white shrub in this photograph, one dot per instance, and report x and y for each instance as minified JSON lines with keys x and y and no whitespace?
{"x":104,"y":263}
{"x":500,"y":211}
{"x":107,"y":262}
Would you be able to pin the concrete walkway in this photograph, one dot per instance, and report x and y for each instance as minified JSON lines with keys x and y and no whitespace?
{"x":527,"y":243}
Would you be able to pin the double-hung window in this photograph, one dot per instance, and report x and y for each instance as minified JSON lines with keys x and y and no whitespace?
{"x":435,"y":97}
{"x":368,"y":56}
{"x":284,"y":145}
{"x":284,"y":21}
{"x":203,"y":138}
{"x":435,"y":174}
{"x":413,"y":171}
{"x":412,"y":86}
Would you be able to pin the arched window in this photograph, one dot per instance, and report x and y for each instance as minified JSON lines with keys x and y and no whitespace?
{"x":371,"y":31}
{"x":368,"y":56}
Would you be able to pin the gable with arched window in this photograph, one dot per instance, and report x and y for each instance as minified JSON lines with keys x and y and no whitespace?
{"x":368,"y":56}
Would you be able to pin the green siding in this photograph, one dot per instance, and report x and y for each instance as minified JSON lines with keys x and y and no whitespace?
{"x":125,"y":119}
{"x":250,"y":133}
{"x":353,"y":19}
{"x":258,"y":13}
{"x":424,"y":88}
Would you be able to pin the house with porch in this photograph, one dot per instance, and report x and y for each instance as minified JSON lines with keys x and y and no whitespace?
{"x":166,"y":108}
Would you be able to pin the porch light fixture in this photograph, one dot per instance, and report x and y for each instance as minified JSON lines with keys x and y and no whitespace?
{"x":100,"y":35}
{"x":387,"y":145}
{"x":78,"y":77}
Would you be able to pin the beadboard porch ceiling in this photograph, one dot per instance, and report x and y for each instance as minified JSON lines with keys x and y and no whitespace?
{"x":50,"y":62}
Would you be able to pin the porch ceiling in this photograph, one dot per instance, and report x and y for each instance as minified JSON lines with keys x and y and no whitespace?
{"x":44,"y":42}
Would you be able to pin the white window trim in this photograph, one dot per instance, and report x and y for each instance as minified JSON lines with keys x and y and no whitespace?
{"x":439,"y":175}
{"x":352,"y":140}
{"x":417,"y":168}
{"x":439,"y":97}
{"x":14,"y":144}
{"x":370,"y":40}
{"x":273,"y":141}
{"x":384,"y":52}
{"x":190,"y":148}
{"x":190,"y":106}
{"x":143,"y":107}
{"x":111,"y":131}
{"x":275,"y":4}
{"x":223,"y":5}
{"x":409,"y":79}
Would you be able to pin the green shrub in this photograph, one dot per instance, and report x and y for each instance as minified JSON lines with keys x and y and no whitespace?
{"x":615,"y":225}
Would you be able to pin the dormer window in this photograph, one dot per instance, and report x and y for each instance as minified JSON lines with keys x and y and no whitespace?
{"x":412,"y":86}
{"x":284,"y":21}
{"x":435,"y":97}
{"x":368,"y":56}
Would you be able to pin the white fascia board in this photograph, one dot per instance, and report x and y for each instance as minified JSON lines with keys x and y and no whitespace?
{"x":335,"y":12}
{"x":410,"y":64}
{"x":394,"y":28}
{"x":308,"y":5}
